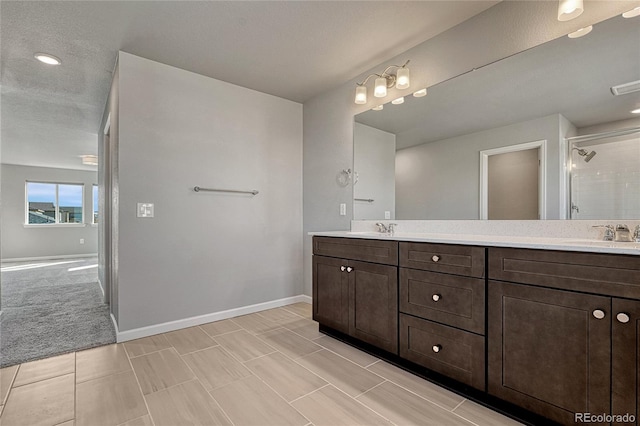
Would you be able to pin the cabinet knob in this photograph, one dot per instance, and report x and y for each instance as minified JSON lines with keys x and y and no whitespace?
{"x":349,"y":269}
{"x":435,"y":258}
{"x":342,"y":268}
{"x":622,"y":317}
{"x":436,"y":348}
{"x":599,"y":314}
{"x":436,"y":297}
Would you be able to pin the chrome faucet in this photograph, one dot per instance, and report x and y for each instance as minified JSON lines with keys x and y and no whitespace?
{"x":622,"y":233}
{"x":392,"y":228}
{"x":382,"y":228}
{"x":609,"y":233}
{"x":386,"y":229}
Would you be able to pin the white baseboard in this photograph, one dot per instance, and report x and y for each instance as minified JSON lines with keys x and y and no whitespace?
{"x":62,"y":256}
{"x":137,"y":333}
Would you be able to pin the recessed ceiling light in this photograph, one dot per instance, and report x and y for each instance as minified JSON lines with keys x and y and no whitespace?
{"x":420,"y":93}
{"x":581,"y":32}
{"x":632,"y":13}
{"x":636,"y":111}
{"x":47,"y":59}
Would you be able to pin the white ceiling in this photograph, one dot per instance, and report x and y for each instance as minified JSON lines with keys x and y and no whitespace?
{"x":565,"y":76}
{"x":291,"y":49}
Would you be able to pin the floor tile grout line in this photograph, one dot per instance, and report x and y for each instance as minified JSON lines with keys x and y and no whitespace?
{"x":342,"y":356}
{"x":13,"y":383}
{"x":140,"y":389}
{"x":13,"y":380}
{"x":309,"y":393}
{"x":221,"y":334}
{"x":373,"y":363}
{"x":363,"y":404}
{"x":258,"y":357}
{"x":278,"y":394}
{"x":75,"y":387}
{"x":371,"y":388}
{"x":198,"y":350}
{"x":414,"y":392}
{"x":461,"y":402}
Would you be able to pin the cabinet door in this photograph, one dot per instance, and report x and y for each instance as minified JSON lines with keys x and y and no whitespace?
{"x":625,"y":352}
{"x":331,"y":293}
{"x":373,"y":304}
{"x":548,"y":352}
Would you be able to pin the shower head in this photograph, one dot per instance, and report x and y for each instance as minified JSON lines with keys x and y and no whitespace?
{"x":586,"y":154}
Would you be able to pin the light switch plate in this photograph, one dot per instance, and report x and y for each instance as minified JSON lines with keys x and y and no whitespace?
{"x":387,"y":214}
{"x":145,"y":209}
{"x":343,"y":209}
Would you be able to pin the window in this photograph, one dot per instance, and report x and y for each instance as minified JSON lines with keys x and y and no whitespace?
{"x":95,"y":204}
{"x":54,"y":203}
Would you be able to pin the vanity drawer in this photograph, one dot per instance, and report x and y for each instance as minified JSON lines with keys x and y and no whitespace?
{"x":448,"y":299}
{"x":454,"y":353}
{"x":446,"y":258}
{"x":605,"y":274}
{"x":376,"y":251}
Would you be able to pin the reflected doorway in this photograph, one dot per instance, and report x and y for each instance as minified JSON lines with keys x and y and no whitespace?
{"x":513,"y":182}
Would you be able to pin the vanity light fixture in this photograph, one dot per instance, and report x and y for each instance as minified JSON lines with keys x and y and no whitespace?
{"x":47,"y":59}
{"x":581,"y":32}
{"x":420,"y":93}
{"x":632,"y":13}
{"x":377,"y":108}
{"x":570,"y":9}
{"x":384,"y":81}
{"x":398,"y":101}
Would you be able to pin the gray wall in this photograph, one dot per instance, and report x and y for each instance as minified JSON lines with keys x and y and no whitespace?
{"x":108,"y":197}
{"x":204,"y":252}
{"x":441,"y":180}
{"x":505,"y":29}
{"x":374,"y":153}
{"x":19,"y":241}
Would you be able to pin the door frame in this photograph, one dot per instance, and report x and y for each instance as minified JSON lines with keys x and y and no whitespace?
{"x":541,"y":145}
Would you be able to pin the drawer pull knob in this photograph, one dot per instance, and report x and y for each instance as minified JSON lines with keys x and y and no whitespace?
{"x":599,"y":314}
{"x":436,"y":297}
{"x":623,"y":318}
{"x":349,"y":269}
{"x":435,"y":258}
{"x":436,"y":348}
{"x":342,"y":268}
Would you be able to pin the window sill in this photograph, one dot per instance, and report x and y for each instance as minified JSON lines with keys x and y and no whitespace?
{"x":54,"y":225}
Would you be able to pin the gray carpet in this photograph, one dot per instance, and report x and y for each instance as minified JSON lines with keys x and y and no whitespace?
{"x":51,"y":311}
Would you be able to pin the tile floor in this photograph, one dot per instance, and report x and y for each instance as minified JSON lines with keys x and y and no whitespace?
{"x":267,"y":368}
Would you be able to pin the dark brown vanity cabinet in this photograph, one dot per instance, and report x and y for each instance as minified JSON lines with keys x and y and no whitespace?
{"x":442,"y":309}
{"x":557,"y":352}
{"x":357,"y":297}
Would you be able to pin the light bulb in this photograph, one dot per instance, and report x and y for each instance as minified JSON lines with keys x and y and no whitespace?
{"x":380,"y":90}
{"x":402,"y":76}
{"x":420,"y":93}
{"x":581,"y":32}
{"x":570,"y":9}
{"x":378,"y":108}
{"x":398,"y":101}
{"x":635,"y":111}
{"x":632,"y":13}
{"x":361,"y":95}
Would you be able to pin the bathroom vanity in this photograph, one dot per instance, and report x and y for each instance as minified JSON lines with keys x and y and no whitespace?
{"x":522,"y":327}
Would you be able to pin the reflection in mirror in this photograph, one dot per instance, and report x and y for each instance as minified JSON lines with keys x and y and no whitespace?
{"x":421,"y":159}
{"x":605,"y":175}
